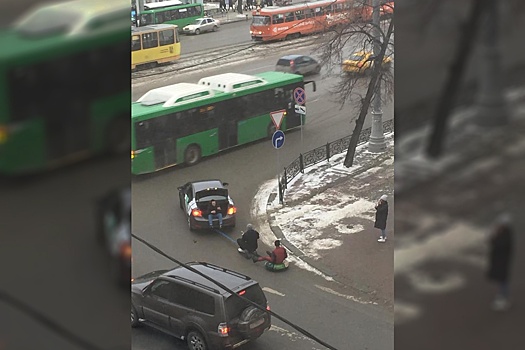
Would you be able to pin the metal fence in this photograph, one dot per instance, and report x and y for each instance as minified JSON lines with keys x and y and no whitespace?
{"x":323,"y":153}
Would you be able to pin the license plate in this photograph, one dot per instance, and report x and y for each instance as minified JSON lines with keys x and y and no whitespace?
{"x":257,"y":323}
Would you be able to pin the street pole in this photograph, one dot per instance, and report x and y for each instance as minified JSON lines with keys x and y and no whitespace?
{"x":376,"y":142}
{"x":140,"y":9}
{"x":492,"y":109}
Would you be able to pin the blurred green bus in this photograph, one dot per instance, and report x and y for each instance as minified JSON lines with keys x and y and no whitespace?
{"x":181,"y":123}
{"x":180,"y":15}
{"x":64,"y":85}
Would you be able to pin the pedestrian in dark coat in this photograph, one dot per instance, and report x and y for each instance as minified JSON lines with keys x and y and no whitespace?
{"x":500,"y":256}
{"x":248,"y":242}
{"x":381,"y":216}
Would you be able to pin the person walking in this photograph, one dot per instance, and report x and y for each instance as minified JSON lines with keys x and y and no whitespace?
{"x":381,"y":216}
{"x":214,"y":211}
{"x":500,"y":256}
{"x":248,"y":242}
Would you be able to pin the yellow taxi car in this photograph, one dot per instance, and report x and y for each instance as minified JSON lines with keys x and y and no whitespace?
{"x":360,"y":62}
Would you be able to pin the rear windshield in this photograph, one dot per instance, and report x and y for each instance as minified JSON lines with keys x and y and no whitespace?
{"x":283,"y":62}
{"x":234,"y":305}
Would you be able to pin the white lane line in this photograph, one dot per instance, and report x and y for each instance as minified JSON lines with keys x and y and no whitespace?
{"x":349,"y":297}
{"x":273,"y":291}
{"x":292,"y":335}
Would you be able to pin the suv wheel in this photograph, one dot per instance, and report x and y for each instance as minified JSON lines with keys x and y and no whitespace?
{"x":196,"y":341}
{"x":134,"y":317}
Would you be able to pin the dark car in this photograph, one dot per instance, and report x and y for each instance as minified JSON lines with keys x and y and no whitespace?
{"x":194,"y":198}
{"x":114,"y":232}
{"x":298,"y":64}
{"x":184,"y":304}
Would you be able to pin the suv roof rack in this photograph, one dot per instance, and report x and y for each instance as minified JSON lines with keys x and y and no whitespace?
{"x":216,"y":291}
{"x":232,"y":82}
{"x":223,"y":269}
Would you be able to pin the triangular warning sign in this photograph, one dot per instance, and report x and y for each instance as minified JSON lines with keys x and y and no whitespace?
{"x":277,"y":118}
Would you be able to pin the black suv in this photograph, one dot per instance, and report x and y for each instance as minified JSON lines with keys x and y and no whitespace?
{"x":186,"y":305}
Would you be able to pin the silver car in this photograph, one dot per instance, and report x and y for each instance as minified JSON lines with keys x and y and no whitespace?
{"x":298,"y":64}
{"x":202,"y":25}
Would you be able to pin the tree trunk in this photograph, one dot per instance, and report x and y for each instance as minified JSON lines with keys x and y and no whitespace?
{"x":376,"y":75}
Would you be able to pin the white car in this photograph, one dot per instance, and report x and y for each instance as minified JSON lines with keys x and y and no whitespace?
{"x":202,"y":25}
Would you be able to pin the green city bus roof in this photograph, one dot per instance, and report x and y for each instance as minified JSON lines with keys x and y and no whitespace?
{"x":151,"y":104}
{"x":65,"y":27}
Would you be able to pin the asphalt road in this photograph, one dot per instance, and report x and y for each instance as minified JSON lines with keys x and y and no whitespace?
{"x":157,"y":218}
{"x":228,"y":34}
{"x":50,"y":260}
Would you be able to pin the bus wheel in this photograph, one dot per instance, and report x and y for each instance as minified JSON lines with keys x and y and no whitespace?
{"x":271,"y":130}
{"x":192,"y":155}
{"x":118,"y":138}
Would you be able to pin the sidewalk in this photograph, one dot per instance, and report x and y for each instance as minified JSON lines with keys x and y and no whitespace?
{"x":212,"y":9}
{"x":327,"y":221}
{"x":445,"y":210}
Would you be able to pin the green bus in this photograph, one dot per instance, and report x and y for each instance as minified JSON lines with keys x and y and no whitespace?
{"x":180,"y":15}
{"x":184,"y":122}
{"x":64,"y":85}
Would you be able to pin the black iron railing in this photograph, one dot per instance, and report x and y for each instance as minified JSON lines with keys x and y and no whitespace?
{"x":323,"y":153}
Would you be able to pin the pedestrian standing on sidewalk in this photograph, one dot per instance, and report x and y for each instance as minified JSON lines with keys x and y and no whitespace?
{"x":500,"y":256}
{"x":381,"y":216}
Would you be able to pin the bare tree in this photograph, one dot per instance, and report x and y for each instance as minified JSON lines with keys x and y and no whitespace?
{"x":353,"y":35}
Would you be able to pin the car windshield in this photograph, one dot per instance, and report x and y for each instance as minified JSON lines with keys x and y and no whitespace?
{"x":234,"y":305}
{"x":197,"y":22}
{"x":260,"y":21}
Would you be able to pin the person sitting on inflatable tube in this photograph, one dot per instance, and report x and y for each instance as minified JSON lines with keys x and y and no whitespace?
{"x":275,"y":259}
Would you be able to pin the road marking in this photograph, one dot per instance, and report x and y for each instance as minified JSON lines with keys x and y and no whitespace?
{"x":349,"y":297}
{"x":273,"y":291}
{"x":404,"y":312}
{"x":292,"y":335}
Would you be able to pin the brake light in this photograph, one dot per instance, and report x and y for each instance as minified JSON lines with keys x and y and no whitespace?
{"x":268,"y":307}
{"x":196,"y":212}
{"x":232,"y":210}
{"x":292,"y":63}
{"x":223,"y":329}
{"x":125,"y":250}
{"x":242,"y":292}
{"x":3,"y":134}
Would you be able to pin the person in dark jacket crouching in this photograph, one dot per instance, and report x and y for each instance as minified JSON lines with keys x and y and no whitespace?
{"x":248,"y":242}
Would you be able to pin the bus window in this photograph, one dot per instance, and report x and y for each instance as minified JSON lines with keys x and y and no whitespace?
{"x":319,"y":11}
{"x":166,"y":37}
{"x":135,"y":43}
{"x":299,"y":14}
{"x":183,"y":13}
{"x":150,"y":40}
{"x":289,"y":17}
{"x":279,"y":18}
{"x":310,"y":13}
{"x":147,"y":18}
{"x":261,"y":20}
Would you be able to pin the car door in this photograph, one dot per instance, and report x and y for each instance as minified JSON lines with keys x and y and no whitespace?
{"x":154,"y":303}
{"x":209,"y":24}
{"x":308,"y":65}
{"x":183,"y":194}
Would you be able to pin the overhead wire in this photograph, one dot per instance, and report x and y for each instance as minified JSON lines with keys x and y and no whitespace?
{"x":296,"y":327}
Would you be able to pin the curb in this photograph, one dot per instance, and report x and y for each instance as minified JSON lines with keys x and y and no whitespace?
{"x":276,"y":230}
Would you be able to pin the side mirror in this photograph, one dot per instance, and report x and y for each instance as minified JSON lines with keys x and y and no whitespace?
{"x":225,"y":183}
{"x":180,"y":188}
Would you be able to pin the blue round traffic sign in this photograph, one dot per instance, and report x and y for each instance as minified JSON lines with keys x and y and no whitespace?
{"x":299,"y":96}
{"x":278,"y":139}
